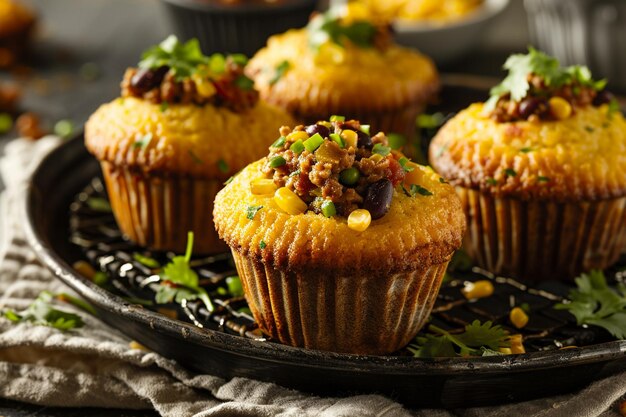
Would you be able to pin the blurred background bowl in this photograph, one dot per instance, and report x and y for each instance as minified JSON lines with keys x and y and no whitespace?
{"x":240,"y":27}
{"x":589,"y":32}
{"x":448,"y":42}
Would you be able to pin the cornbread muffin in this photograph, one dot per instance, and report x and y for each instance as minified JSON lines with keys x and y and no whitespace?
{"x":184,"y":124}
{"x":437,"y":11}
{"x":345,"y":65}
{"x":341,"y":244}
{"x":540,"y":169}
{"x":16,"y":26}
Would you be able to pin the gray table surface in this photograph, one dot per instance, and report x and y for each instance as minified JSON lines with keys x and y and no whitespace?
{"x":112,"y":34}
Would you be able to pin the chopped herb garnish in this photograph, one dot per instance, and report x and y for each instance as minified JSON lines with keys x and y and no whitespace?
{"x":179,"y":282}
{"x":491,"y":181}
{"x":279,"y":142}
{"x":146,"y":260}
{"x":594,"y":303}
{"x":41,"y":312}
{"x":262,"y":245}
{"x":381,"y":149}
{"x":478,"y":339}
{"x":297,"y":147}
{"x":143,"y":141}
{"x":251,"y":211}
{"x":404,"y":163}
{"x":222,"y":166}
{"x":244,"y":83}
{"x":366,"y":129}
{"x":280,"y":70}
{"x":526,"y":150}
{"x":548,"y":68}
{"x":277,"y":161}
{"x":442,"y":180}
{"x":195,"y":158}
{"x":234,"y":286}
{"x":418,"y":189}
{"x":183,"y":59}
{"x":164,"y":106}
{"x":239,"y":59}
{"x":338,"y":140}
{"x":613,"y":108}
{"x":314,"y":142}
{"x":396,"y":141}
{"x":99,"y":204}
{"x":326,"y":28}
{"x":541,"y":178}
{"x":335,"y":118}
{"x":589,"y":129}
{"x":510,"y":172}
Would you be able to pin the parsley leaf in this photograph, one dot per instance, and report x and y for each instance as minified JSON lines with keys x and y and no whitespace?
{"x":182,"y":58}
{"x":327,"y":27}
{"x":404,"y":163}
{"x":478,"y":339}
{"x":146,"y":261}
{"x":595,"y":303}
{"x":262,"y":245}
{"x":418,"y":189}
{"x":381,"y":149}
{"x":179,"y":281}
{"x":519,"y":66}
{"x":42,"y":313}
{"x":251,"y":211}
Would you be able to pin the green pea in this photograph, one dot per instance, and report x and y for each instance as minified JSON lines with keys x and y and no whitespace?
{"x":328,"y":208}
{"x":349,"y":176}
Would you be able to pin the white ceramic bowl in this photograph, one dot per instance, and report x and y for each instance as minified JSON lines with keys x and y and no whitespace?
{"x":447,"y":42}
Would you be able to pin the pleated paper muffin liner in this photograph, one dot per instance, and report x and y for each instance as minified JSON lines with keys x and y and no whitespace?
{"x":157,"y":212}
{"x":541,"y":240}
{"x":359,"y":313}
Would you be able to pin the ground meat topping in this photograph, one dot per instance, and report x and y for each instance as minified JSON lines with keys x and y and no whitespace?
{"x":334,"y":163}
{"x":214,"y":79}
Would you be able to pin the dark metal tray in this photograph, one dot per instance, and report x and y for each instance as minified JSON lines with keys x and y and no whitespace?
{"x":450,"y":382}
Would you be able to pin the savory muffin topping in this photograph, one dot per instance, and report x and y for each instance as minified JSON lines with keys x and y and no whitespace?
{"x":173,"y":72}
{"x":538,"y":88}
{"x":336,"y":168}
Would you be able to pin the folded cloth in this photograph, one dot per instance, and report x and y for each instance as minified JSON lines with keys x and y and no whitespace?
{"x":97,"y":366}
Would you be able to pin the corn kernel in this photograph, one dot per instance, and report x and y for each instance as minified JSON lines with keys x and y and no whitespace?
{"x":518,"y":317}
{"x":350,"y":138}
{"x":294,"y":136}
{"x":415,"y":176}
{"x":560,"y":108}
{"x":376,"y":158}
{"x":136,"y":345}
{"x":516,"y":344}
{"x":289,"y":202}
{"x":204,"y":87}
{"x":478,"y":289}
{"x":505,"y":350}
{"x":262,"y":186}
{"x":359,"y":220}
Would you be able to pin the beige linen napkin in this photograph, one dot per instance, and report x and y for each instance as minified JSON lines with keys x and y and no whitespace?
{"x":94,"y":366}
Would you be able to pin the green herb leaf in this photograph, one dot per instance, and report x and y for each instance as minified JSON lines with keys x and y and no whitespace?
{"x":244,"y":83}
{"x":234,"y":286}
{"x":146,"y":260}
{"x":474,"y":341}
{"x":41,"y":312}
{"x":262,"y":245}
{"x":526,"y":150}
{"x":595,"y":303}
{"x":251,"y":211}
{"x":327,"y":27}
{"x":396,"y":141}
{"x":613,"y":108}
{"x":381,"y":149}
{"x":185,"y":280}
{"x":418,"y":189}
{"x":404,"y":163}
{"x":182,"y":59}
{"x":280,"y":70}
{"x":491,"y":181}
{"x":510,"y":172}
{"x":277,"y":161}
{"x":541,"y":178}
{"x":279,"y":143}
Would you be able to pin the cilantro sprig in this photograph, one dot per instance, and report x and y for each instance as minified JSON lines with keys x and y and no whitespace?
{"x":535,"y":62}
{"x":478,"y":339}
{"x":329,"y":27}
{"x":594,"y":303}
{"x":41,"y":312}
{"x":180,"y":282}
{"x":183,"y":59}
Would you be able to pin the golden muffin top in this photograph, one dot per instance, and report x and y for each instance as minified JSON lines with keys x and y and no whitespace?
{"x":547,"y":132}
{"x":14,"y":17}
{"x":185,"y":113}
{"x":350,"y":59}
{"x":437,"y":11}
{"x":328,"y":197}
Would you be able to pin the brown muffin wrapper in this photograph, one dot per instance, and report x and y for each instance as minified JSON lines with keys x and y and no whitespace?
{"x":541,"y":240}
{"x":360,"y":313}
{"x":158,"y":212}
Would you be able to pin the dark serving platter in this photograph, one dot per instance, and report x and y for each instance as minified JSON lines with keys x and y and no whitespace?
{"x":53,"y":204}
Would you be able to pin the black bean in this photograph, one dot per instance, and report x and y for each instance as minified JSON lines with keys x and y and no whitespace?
{"x":529,"y":106}
{"x":146,"y":79}
{"x":364,"y":140}
{"x":603,"y":97}
{"x":378,"y":198}
{"x":321,"y":129}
